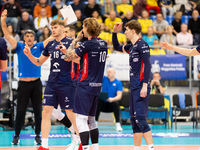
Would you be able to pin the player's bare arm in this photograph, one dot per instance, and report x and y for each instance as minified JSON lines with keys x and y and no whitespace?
{"x":183,"y":51}
{"x":36,"y":61}
{"x":70,"y":54}
{"x":6,"y":33}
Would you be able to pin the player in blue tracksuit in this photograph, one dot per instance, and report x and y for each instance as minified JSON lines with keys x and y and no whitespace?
{"x":60,"y":87}
{"x":92,"y":55}
{"x":139,"y":61}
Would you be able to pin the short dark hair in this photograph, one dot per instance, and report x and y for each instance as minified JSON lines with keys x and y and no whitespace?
{"x":29,"y":31}
{"x":71,"y":27}
{"x":134,"y":24}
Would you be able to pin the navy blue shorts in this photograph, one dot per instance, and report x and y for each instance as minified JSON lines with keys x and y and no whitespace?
{"x":139,"y":105}
{"x":85,"y":104}
{"x":62,"y":94}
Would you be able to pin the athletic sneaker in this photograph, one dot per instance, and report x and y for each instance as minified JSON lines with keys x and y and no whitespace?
{"x":80,"y":147}
{"x":15,"y":140}
{"x":72,"y":146}
{"x":38,"y":140}
{"x":118,"y":127}
{"x":42,"y":148}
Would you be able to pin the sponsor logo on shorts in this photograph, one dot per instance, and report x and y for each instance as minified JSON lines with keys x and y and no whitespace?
{"x":44,"y":101}
{"x":66,"y":99}
{"x":95,"y":84}
{"x":67,"y":106}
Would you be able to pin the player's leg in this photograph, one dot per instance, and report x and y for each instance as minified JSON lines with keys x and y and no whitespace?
{"x":94,"y":131}
{"x":149,"y":140}
{"x":46,"y":124}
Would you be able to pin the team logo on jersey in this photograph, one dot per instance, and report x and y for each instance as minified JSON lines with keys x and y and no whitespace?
{"x":35,"y":47}
{"x":66,"y":99}
{"x":135,"y":45}
{"x":56,"y":65}
{"x":135,"y":59}
{"x":62,"y":57}
{"x":114,"y":84}
{"x":145,"y":46}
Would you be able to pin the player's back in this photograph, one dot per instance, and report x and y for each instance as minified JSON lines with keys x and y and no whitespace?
{"x":93,"y":55}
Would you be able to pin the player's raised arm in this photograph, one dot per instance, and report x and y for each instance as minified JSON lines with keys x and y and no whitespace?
{"x":6,"y":33}
{"x":183,"y":51}
{"x":37,"y":61}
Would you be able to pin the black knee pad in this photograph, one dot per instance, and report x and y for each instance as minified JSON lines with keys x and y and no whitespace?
{"x":142,"y":124}
{"x":135,"y":127}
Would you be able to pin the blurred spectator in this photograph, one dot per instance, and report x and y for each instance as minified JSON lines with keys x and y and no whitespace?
{"x":195,"y":5}
{"x":128,"y":17}
{"x":111,"y":20}
{"x":14,"y":11}
{"x":156,"y":50}
{"x":27,"y":5}
{"x":157,"y":86}
{"x":166,"y":5}
{"x":25,"y":23}
{"x":114,"y":89}
{"x":169,"y":37}
{"x":104,"y":35}
{"x":80,"y":19}
{"x":184,"y":38}
{"x":182,"y":5}
{"x":138,"y":6}
{"x":56,"y":7}
{"x":12,"y":34}
{"x":194,"y":27}
{"x":160,"y":25}
{"x":152,"y":5}
{"x":77,"y":5}
{"x":117,"y":2}
{"x":39,"y":6}
{"x":42,"y":21}
{"x":107,"y":7}
{"x":145,"y":21}
{"x":59,"y":15}
{"x":96,"y":15}
{"x":177,"y":22}
{"x":45,"y":34}
{"x":150,"y":37}
{"x":123,"y":8}
{"x":91,"y":7}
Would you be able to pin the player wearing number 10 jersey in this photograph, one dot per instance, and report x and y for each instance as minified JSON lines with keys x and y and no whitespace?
{"x":92,"y":54}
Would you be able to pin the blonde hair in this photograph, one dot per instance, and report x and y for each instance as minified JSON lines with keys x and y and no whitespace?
{"x":57,"y":21}
{"x":93,"y":26}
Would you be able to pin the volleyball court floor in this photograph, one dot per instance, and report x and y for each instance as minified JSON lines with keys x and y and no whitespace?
{"x":182,"y":138}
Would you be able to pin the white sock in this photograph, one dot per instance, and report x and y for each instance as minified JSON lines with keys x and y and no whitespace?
{"x":95,"y":146}
{"x":150,"y":147}
{"x":71,"y":129}
{"x":45,"y":143}
{"x":86,"y":147}
{"x":136,"y":147}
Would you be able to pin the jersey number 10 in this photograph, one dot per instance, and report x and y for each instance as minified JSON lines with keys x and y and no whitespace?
{"x":102,"y":57}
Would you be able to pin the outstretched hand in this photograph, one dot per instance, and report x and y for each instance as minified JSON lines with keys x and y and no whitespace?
{"x":27,"y":50}
{"x":62,"y":48}
{"x":117,"y":26}
{"x":4,"y":15}
{"x":166,"y":45}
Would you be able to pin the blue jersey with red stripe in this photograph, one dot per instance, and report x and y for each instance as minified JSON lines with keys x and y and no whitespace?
{"x":93,"y":55}
{"x":61,"y":71}
{"x":136,"y":52}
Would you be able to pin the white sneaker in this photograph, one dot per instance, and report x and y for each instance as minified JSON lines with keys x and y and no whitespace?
{"x":72,"y":146}
{"x":118,"y":127}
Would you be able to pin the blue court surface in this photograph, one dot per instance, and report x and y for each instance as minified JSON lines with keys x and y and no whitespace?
{"x":183,"y":136}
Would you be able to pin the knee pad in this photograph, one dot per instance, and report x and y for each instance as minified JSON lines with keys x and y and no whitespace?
{"x":82,"y":123}
{"x":135,"y":127}
{"x":57,"y":114}
{"x":142,"y":124}
{"x":92,"y":123}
